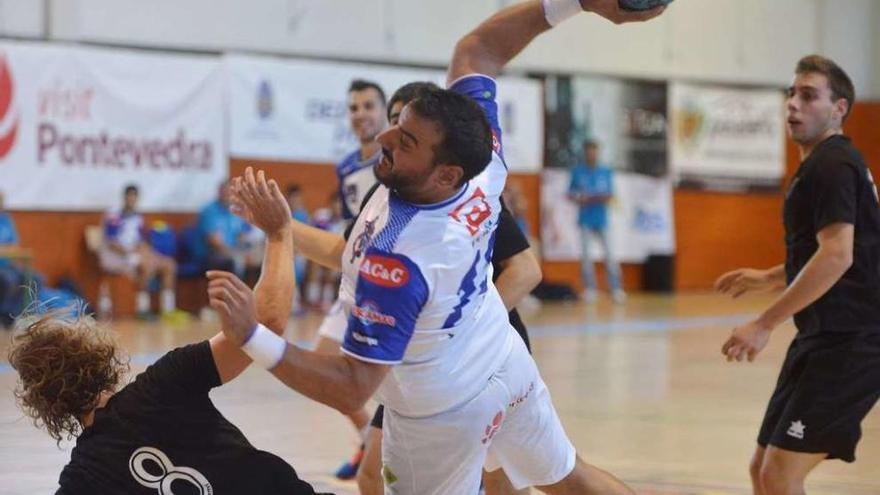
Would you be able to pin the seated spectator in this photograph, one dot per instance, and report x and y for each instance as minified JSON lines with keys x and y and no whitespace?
{"x":226,"y":241}
{"x":125,"y":251}
{"x":20,"y":285}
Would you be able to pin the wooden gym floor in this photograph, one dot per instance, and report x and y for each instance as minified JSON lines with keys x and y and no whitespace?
{"x":642,"y":390}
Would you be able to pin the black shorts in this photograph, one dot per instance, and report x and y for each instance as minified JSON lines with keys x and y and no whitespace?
{"x":825,"y":389}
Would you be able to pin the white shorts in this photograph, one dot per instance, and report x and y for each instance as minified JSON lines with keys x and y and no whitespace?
{"x":115,"y":262}
{"x":334,"y":324}
{"x":511,"y":424}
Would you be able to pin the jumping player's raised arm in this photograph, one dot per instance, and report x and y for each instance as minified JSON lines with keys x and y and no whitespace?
{"x":494,"y":43}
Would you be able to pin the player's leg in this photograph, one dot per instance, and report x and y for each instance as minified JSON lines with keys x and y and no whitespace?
{"x":612,"y":266}
{"x":834,"y":382}
{"x":588,"y":272}
{"x":497,"y":483}
{"x":145,"y":269}
{"x":755,"y":470}
{"x":443,"y":454}
{"x":330,"y":335}
{"x":783,"y":471}
{"x":531,"y":445}
{"x":586,"y":479}
{"x":369,"y":475}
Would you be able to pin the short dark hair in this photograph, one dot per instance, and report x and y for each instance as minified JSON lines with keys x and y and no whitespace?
{"x":590,"y":143}
{"x":838,"y":80}
{"x":293,"y":189}
{"x":409,"y":92}
{"x":362,"y":84}
{"x":467,"y":136}
{"x":131,"y":188}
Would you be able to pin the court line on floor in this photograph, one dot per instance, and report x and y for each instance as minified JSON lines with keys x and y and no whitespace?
{"x":651,"y":325}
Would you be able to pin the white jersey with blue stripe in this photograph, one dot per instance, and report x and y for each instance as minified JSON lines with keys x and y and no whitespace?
{"x":355,"y":178}
{"x":417,"y":287}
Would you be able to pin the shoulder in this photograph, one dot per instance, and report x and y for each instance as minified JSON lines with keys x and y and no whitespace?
{"x":348,"y":163}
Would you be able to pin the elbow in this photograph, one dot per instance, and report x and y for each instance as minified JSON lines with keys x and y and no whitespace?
{"x":534,"y":276}
{"x":352,"y":403}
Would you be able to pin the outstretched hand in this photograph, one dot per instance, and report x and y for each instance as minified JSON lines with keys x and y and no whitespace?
{"x":260,"y":202}
{"x":234,"y":302}
{"x":746,"y":341}
{"x":742,"y":281}
{"x":610,"y":9}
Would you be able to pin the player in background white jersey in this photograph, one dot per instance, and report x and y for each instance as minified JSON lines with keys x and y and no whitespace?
{"x":366,"y":114}
{"x":458,"y":386}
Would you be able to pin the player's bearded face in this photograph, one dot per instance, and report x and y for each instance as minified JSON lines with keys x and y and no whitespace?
{"x":366,"y":113}
{"x":407,"y":154}
{"x":811,"y":109}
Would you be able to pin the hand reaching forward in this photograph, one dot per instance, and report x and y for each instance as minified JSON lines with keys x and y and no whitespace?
{"x":260,"y":203}
{"x":234,"y":302}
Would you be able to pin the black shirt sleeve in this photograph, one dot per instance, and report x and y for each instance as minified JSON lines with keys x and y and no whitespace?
{"x":182,"y":374}
{"x":509,"y":239}
{"x":835,"y":187}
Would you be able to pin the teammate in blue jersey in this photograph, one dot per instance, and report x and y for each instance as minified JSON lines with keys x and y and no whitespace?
{"x":366,"y":115}
{"x":427,"y":331}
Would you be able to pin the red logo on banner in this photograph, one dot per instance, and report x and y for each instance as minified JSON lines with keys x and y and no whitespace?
{"x":473,"y":212}
{"x":7,"y":133}
{"x":387,"y":272}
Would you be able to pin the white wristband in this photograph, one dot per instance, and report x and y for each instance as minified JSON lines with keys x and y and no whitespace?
{"x":265,"y":347}
{"x":556,"y":11}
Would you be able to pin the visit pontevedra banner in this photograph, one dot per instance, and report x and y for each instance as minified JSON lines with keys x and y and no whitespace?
{"x":78,"y":124}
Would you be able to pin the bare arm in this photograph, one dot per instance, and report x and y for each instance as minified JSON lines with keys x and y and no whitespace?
{"x":494,"y":43}
{"x":828,"y":264}
{"x":320,"y":246}
{"x":738,"y":282}
{"x":339,"y":381}
{"x":274,"y":291}
{"x":519,"y":275}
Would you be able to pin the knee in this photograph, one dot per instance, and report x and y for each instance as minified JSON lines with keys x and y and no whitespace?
{"x":755,"y":467}
{"x":774,"y":481}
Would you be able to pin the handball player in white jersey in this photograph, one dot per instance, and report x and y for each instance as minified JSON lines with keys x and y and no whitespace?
{"x":427,"y":332}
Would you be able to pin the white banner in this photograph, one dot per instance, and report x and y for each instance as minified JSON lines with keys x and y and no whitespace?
{"x":78,"y":124}
{"x":640,"y":218}
{"x":727,"y":133}
{"x":296,"y":110}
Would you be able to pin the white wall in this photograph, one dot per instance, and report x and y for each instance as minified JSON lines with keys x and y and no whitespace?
{"x":21,"y":18}
{"x":749,"y":41}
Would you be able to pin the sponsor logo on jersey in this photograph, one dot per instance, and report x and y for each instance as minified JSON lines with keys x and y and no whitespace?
{"x":369,"y":312}
{"x":364,"y":339}
{"x":473,"y":212}
{"x":384,"y":271}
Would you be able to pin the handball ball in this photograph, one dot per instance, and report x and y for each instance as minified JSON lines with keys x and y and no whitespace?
{"x":641,"y":4}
